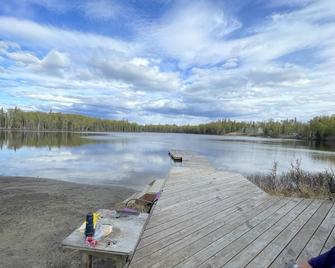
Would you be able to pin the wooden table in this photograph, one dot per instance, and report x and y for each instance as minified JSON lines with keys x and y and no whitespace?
{"x":119,"y":245}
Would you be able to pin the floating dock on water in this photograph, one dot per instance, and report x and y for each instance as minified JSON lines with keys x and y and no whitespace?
{"x":211,"y":218}
{"x":175,"y":156}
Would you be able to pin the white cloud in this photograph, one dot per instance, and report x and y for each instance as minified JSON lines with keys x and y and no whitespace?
{"x":64,"y":100}
{"x":110,"y":86}
{"x":5,"y":45}
{"x":139,"y":73}
{"x":48,"y":37}
{"x":195,"y":34}
{"x":190,"y":30}
{"x":25,"y":58}
{"x":54,"y":62}
{"x":270,"y":91}
{"x":140,"y":62}
{"x":102,"y":9}
{"x":55,"y":59}
{"x":197,"y":61}
{"x":165,"y":103}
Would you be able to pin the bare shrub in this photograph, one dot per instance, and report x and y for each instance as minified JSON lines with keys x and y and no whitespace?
{"x":266,"y":181}
{"x":296,"y":182}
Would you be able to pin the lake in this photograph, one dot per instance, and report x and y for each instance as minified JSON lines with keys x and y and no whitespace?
{"x":135,"y":159}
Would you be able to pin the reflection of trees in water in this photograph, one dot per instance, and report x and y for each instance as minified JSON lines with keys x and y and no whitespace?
{"x":322,"y":145}
{"x":323,"y":157}
{"x":15,"y":139}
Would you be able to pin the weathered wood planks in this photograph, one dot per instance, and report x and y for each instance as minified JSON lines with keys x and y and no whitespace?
{"x":211,"y":218}
{"x":174,"y":155}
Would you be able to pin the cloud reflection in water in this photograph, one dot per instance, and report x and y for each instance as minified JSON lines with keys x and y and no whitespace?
{"x":134,"y":159}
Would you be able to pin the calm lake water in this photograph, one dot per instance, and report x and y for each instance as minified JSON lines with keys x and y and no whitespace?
{"x":134,"y":159}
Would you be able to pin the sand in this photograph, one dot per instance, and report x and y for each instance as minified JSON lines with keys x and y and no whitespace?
{"x":37,"y":214}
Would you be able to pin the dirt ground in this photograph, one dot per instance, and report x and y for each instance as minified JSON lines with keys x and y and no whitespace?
{"x":37,"y":214}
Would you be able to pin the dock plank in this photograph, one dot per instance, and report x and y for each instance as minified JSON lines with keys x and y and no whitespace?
{"x":291,"y":252}
{"x":206,"y":235}
{"x":275,"y":247}
{"x":319,"y":238}
{"x":252,"y":249}
{"x":190,"y":220}
{"x":180,"y":215}
{"x":330,"y":242}
{"x":224,"y":251}
{"x":204,"y":228}
{"x":213,"y":218}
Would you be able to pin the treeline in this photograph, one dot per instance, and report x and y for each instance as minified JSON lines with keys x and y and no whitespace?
{"x":319,"y":128}
{"x":40,"y":121}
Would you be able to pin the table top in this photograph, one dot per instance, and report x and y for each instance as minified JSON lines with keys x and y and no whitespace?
{"x":126,"y":232}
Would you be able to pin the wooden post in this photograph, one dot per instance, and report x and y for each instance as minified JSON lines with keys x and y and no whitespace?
{"x":86,"y":260}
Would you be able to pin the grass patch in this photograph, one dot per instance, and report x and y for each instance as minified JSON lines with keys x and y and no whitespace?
{"x":296,"y":182}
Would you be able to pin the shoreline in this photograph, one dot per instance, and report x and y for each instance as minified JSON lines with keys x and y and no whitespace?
{"x":36,"y":214}
{"x":229,"y":134}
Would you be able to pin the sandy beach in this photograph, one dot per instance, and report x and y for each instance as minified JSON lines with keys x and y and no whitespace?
{"x":37,"y":214}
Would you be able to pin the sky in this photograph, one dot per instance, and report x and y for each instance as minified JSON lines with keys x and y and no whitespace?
{"x":165,"y":61}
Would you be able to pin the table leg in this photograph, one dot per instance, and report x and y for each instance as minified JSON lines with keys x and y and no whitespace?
{"x":86,"y":260}
{"x":119,"y":261}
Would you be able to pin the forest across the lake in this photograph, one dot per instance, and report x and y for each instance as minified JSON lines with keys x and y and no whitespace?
{"x":318,"y":128}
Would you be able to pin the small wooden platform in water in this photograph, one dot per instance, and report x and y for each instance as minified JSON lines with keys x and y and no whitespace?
{"x":211,"y":218}
{"x":175,"y":156}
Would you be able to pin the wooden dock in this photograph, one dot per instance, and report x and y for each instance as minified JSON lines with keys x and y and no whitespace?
{"x":211,"y":218}
{"x":175,"y":156}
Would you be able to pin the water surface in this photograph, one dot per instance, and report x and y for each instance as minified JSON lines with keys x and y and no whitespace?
{"x":134,"y":159}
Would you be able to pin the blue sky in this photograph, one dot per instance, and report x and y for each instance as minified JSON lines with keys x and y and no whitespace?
{"x":165,"y":61}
